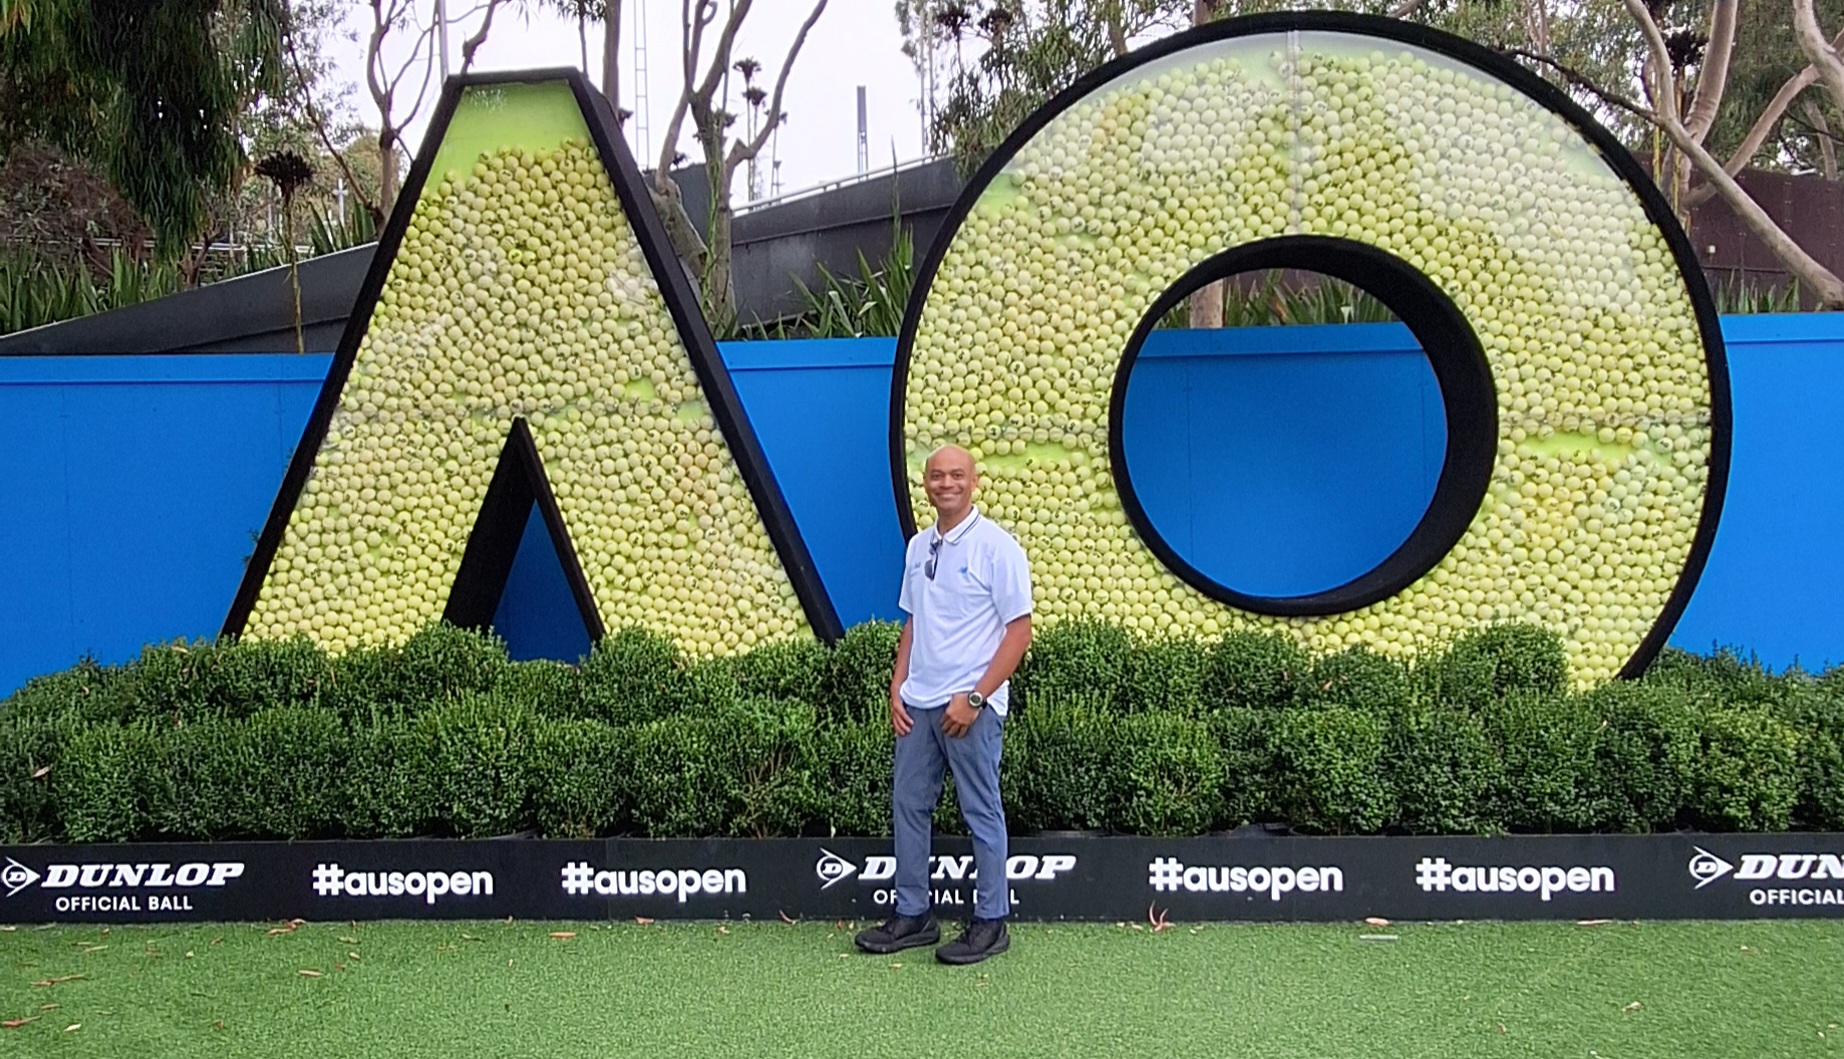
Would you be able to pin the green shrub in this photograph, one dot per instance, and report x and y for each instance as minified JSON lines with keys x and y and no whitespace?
{"x":770,"y":765}
{"x":1359,"y":678}
{"x":1647,"y":746}
{"x":745,"y":770}
{"x":1444,"y":771}
{"x":101,"y":782}
{"x":581,"y":770}
{"x":1725,"y":676}
{"x":791,"y":669}
{"x":440,"y":663}
{"x":1245,"y":747}
{"x":300,"y":757}
{"x":475,"y":756}
{"x":387,"y":793}
{"x":1547,"y":746}
{"x":1087,"y":658}
{"x":1167,"y":676}
{"x":31,"y":746}
{"x":852,"y":777}
{"x":1174,"y":781}
{"x":86,"y":692}
{"x":550,"y":689}
{"x":200,"y":782}
{"x":1747,"y":778}
{"x":278,"y":774}
{"x":1819,"y":718}
{"x":1331,"y":776}
{"x":632,"y":676}
{"x":1070,"y":777}
{"x":1261,"y":670}
{"x":857,"y":685}
{"x":1482,"y":665}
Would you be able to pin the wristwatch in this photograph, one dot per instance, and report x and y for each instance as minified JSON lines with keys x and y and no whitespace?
{"x":975,"y":699}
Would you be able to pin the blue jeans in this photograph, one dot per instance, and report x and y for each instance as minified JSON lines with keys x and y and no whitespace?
{"x":922,"y":757}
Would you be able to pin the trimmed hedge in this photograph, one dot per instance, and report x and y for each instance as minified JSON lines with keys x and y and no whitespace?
{"x":446,"y":736}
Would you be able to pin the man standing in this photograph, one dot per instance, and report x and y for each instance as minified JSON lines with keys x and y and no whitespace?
{"x":967,"y":593}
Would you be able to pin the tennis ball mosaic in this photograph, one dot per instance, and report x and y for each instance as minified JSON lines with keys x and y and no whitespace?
{"x":1610,"y":409}
{"x":519,"y":290}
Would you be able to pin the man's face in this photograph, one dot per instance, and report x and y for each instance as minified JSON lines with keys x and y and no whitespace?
{"x":950,"y":481}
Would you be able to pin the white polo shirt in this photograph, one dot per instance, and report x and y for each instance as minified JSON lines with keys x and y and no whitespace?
{"x":982,"y":583}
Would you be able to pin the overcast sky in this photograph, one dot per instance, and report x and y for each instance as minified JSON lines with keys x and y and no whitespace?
{"x":855,"y":42}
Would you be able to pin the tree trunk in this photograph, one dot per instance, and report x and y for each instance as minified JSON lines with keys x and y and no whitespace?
{"x":611,"y":55}
{"x":718,"y":280}
{"x":388,"y":178}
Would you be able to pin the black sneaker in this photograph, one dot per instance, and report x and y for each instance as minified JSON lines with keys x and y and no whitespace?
{"x":982,"y":938}
{"x":898,"y":933}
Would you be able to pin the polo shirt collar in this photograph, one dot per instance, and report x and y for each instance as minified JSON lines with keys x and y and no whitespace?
{"x":953,"y":536}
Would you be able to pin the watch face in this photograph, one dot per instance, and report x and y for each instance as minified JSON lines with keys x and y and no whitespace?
{"x":975,"y":699}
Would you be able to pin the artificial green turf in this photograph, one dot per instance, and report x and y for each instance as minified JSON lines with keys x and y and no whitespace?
{"x":1615,"y":991}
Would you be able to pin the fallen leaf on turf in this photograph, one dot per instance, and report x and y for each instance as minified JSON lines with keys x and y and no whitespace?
{"x":42,"y":773}
{"x":1634,"y":1006}
{"x":73,"y":1027}
{"x":355,"y":941}
{"x":289,"y":929}
{"x":896,"y":966}
{"x":785,"y":919}
{"x":13,"y":1024}
{"x":1592,"y":922}
{"x":1378,"y":937}
{"x":565,"y":934}
{"x":55,"y":981}
{"x":305,"y":973}
{"x":464,"y":937}
{"x":1501,"y":1028}
{"x":339,"y":967}
{"x":354,"y":956}
{"x":215,"y":940}
{"x":49,"y":1007}
{"x":9,"y":929}
{"x":643,"y":920}
{"x":1377,"y":921}
{"x":723,"y":930}
{"x":188,"y":954}
{"x":94,"y":948}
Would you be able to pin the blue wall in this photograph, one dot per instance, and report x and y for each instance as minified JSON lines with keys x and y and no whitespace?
{"x":131,"y":488}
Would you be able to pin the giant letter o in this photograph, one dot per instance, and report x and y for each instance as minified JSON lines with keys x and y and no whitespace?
{"x":1584,"y":476}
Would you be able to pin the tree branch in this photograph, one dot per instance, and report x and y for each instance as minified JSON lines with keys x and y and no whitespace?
{"x":320,"y":126}
{"x":473,"y":43}
{"x":1827,"y":151}
{"x":1405,"y":8}
{"x":720,"y":56}
{"x":1658,"y":62}
{"x":743,"y":152}
{"x":694,"y":30}
{"x":1819,"y":52}
{"x":1713,"y":71}
{"x":1805,"y":268}
{"x":1763,"y":126}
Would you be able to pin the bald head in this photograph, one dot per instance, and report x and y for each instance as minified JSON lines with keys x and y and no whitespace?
{"x":949,"y":478}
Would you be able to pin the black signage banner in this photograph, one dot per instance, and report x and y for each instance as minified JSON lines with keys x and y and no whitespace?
{"x":1564,"y":877}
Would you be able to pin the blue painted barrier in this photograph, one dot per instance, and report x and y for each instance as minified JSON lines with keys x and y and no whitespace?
{"x":131,"y":487}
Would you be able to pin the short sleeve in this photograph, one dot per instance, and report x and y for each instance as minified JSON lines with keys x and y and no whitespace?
{"x":1011,"y":581}
{"x":903,"y":595}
